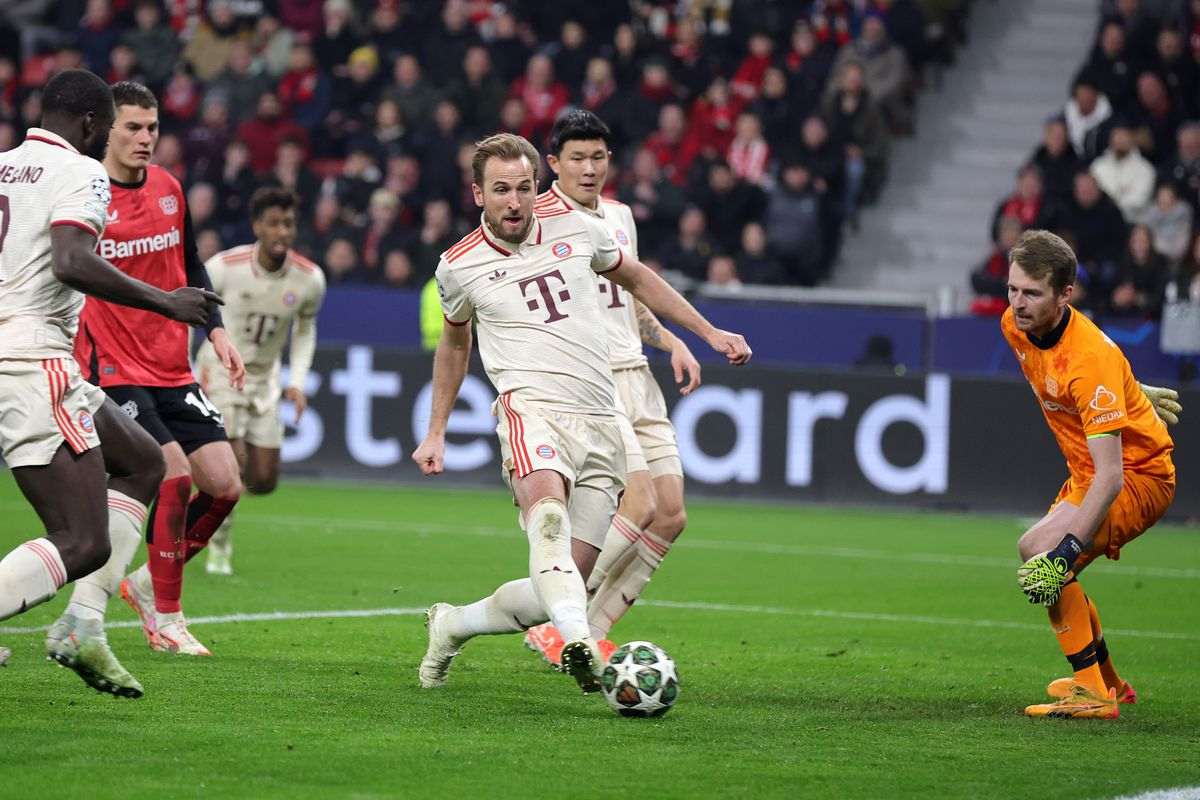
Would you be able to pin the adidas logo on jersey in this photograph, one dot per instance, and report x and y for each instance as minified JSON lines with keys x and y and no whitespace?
{"x":497,"y":275}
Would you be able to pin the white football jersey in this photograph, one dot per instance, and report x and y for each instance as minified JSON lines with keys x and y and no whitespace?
{"x":43,"y":182}
{"x":616,"y":305}
{"x":538,"y":318}
{"x":261,"y":307}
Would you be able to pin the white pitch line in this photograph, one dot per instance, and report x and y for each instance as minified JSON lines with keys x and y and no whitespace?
{"x":1177,"y":793}
{"x":862,"y":616}
{"x":332,"y":525}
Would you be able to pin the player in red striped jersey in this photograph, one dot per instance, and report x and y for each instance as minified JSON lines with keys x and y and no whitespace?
{"x":59,"y":434}
{"x":141,"y":362}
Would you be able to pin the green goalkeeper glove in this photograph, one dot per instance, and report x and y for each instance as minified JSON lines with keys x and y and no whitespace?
{"x":1165,"y":401}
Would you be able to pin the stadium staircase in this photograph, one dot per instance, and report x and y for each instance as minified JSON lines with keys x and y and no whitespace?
{"x":930,"y":225}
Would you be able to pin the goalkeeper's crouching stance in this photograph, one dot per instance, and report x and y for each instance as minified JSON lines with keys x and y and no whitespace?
{"x":1113,"y":435}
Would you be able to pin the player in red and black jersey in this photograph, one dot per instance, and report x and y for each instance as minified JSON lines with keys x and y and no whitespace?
{"x":141,"y":362}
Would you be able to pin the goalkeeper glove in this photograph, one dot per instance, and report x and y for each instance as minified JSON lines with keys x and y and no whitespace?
{"x":1043,"y":576}
{"x":1165,"y":401}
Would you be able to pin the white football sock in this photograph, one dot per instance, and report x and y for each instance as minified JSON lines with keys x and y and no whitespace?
{"x":616,"y":551}
{"x":126,"y":517}
{"x":29,"y":575}
{"x":510,"y":609}
{"x":620,"y":589}
{"x":221,"y":543}
{"x":555,"y":577}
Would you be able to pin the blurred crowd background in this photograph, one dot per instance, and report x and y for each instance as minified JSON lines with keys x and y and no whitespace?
{"x":747,"y":134}
{"x":1117,"y":172}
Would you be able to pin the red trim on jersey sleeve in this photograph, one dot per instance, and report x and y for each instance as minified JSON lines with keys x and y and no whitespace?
{"x":620,"y":261}
{"x":301,"y":261}
{"x":75,"y":223}
{"x":455,"y":324}
{"x":464,"y":244}
{"x":561,"y":199}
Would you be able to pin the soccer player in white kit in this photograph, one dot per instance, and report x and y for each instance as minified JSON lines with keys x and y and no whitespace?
{"x":528,"y":283}
{"x":271,"y":291}
{"x":651,"y":514}
{"x":59,"y":434}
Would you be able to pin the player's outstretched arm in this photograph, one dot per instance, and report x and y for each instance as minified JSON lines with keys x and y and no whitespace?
{"x":644,"y":284}
{"x":75,"y":263}
{"x":450,"y":362}
{"x":683,"y":363}
{"x":1165,"y":401}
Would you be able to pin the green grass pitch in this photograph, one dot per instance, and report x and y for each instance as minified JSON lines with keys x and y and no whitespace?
{"x":823,"y":653}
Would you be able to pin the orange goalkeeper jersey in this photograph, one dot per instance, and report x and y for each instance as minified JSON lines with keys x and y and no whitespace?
{"x":1085,"y":387}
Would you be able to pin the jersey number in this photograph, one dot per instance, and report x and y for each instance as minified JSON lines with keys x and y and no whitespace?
{"x":260,"y":327}
{"x":4,"y":218}
{"x":201,"y":403}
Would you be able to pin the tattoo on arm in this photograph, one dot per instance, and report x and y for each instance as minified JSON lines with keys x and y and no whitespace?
{"x":652,"y":331}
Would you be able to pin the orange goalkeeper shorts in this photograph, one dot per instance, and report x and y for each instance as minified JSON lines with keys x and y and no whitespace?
{"x":1142,"y":502}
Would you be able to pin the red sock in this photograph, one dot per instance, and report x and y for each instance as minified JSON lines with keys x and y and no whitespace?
{"x":204,"y":515}
{"x":166,"y":542}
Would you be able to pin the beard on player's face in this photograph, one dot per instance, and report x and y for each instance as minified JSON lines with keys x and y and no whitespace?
{"x":507,"y":224}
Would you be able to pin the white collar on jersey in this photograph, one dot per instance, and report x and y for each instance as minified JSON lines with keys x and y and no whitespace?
{"x":49,"y":137}
{"x":557,"y":191}
{"x":533,"y":237}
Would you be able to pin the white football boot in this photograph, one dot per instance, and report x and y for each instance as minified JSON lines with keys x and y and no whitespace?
{"x":442,"y":647}
{"x":172,"y":636}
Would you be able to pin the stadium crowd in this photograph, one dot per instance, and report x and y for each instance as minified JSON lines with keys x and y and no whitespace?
{"x":747,"y":134}
{"x":1118,"y":170}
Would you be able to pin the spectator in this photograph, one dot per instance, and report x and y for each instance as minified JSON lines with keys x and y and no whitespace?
{"x":510,"y":51}
{"x":673,"y":152}
{"x":169,"y":155}
{"x":749,"y":153}
{"x":1159,"y":119}
{"x":382,"y":234}
{"x":906,"y":25}
{"x":208,"y":51}
{"x":236,"y":183}
{"x":446,"y":45}
{"x":713,"y":117}
{"x":855,"y":126}
{"x":264,"y":133}
{"x":180,"y":101}
{"x":692,"y":63}
{"x":1111,"y":66}
{"x":1184,"y":284}
{"x":153,"y":43}
{"x":354,"y":95}
{"x":1056,"y":160}
{"x":437,"y":144}
{"x":1180,"y":73}
{"x":389,"y":34}
{"x":775,"y":110}
{"x":885,"y":71}
{"x":1086,"y":114}
{"x":644,"y":104}
{"x":1026,"y":201}
{"x":656,"y":203}
{"x":241,"y":83}
{"x":571,"y":55}
{"x":360,"y":177}
{"x":793,"y":225}
{"x":305,"y":90}
{"x":626,"y":58}
{"x":728,"y":204}
{"x":543,"y":96}
{"x":341,"y":262}
{"x":755,"y":264}
{"x":513,"y":117}
{"x":273,"y":44}
{"x":402,"y":178}
{"x":832,"y":21}
{"x":808,"y":67}
{"x":688,"y":252}
{"x":98,"y":34}
{"x":437,"y":235}
{"x":1170,"y":223}
{"x":202,"y":206}
{"x":314,"y":239}
{"x":1184,"y":167}
{"x":827,"y":164}
{"x":291,"y":172}
{"x":1139,"y":28}
{"x":722,"y":274}
{"x":1139,"y":285}
{"x":599,"y":95}
{"x":205,"y":143}
{"x":337,"y":40}
{"x":398,"y":270}
{"x":1124,"y":174}
{"x":122,"y":65}
{"x":990,"y":279}
{"x":747,"y":80}
{"x":411,"y":92}
{"x":1096,"y":226}
{"x":208,"y":243}
{"x":477,"y":94}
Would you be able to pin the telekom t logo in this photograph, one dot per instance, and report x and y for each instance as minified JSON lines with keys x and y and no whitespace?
{"x":543,"y":284}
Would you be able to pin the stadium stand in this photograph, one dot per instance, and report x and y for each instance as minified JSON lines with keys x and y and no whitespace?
{"x":779,"y":115}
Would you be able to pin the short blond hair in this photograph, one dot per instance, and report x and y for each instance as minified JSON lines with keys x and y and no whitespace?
{"x":506,"y":147}
{"x":1041,"y":254}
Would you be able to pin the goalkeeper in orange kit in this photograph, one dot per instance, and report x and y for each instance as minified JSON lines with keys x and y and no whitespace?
{"x":1118,"y":454}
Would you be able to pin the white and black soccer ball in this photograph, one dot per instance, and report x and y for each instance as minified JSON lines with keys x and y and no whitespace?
{"x":640,"y":680}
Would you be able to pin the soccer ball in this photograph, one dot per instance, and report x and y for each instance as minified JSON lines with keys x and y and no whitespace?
{"x":639,"y":680}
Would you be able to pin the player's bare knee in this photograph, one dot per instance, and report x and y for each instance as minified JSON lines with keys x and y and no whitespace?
{"x":670,"y":522}
{"x":640,"y":507}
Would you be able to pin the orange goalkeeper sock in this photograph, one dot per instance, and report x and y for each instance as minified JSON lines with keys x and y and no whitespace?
{"x":1073,"y":626}
{"x":1102,"y":658}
